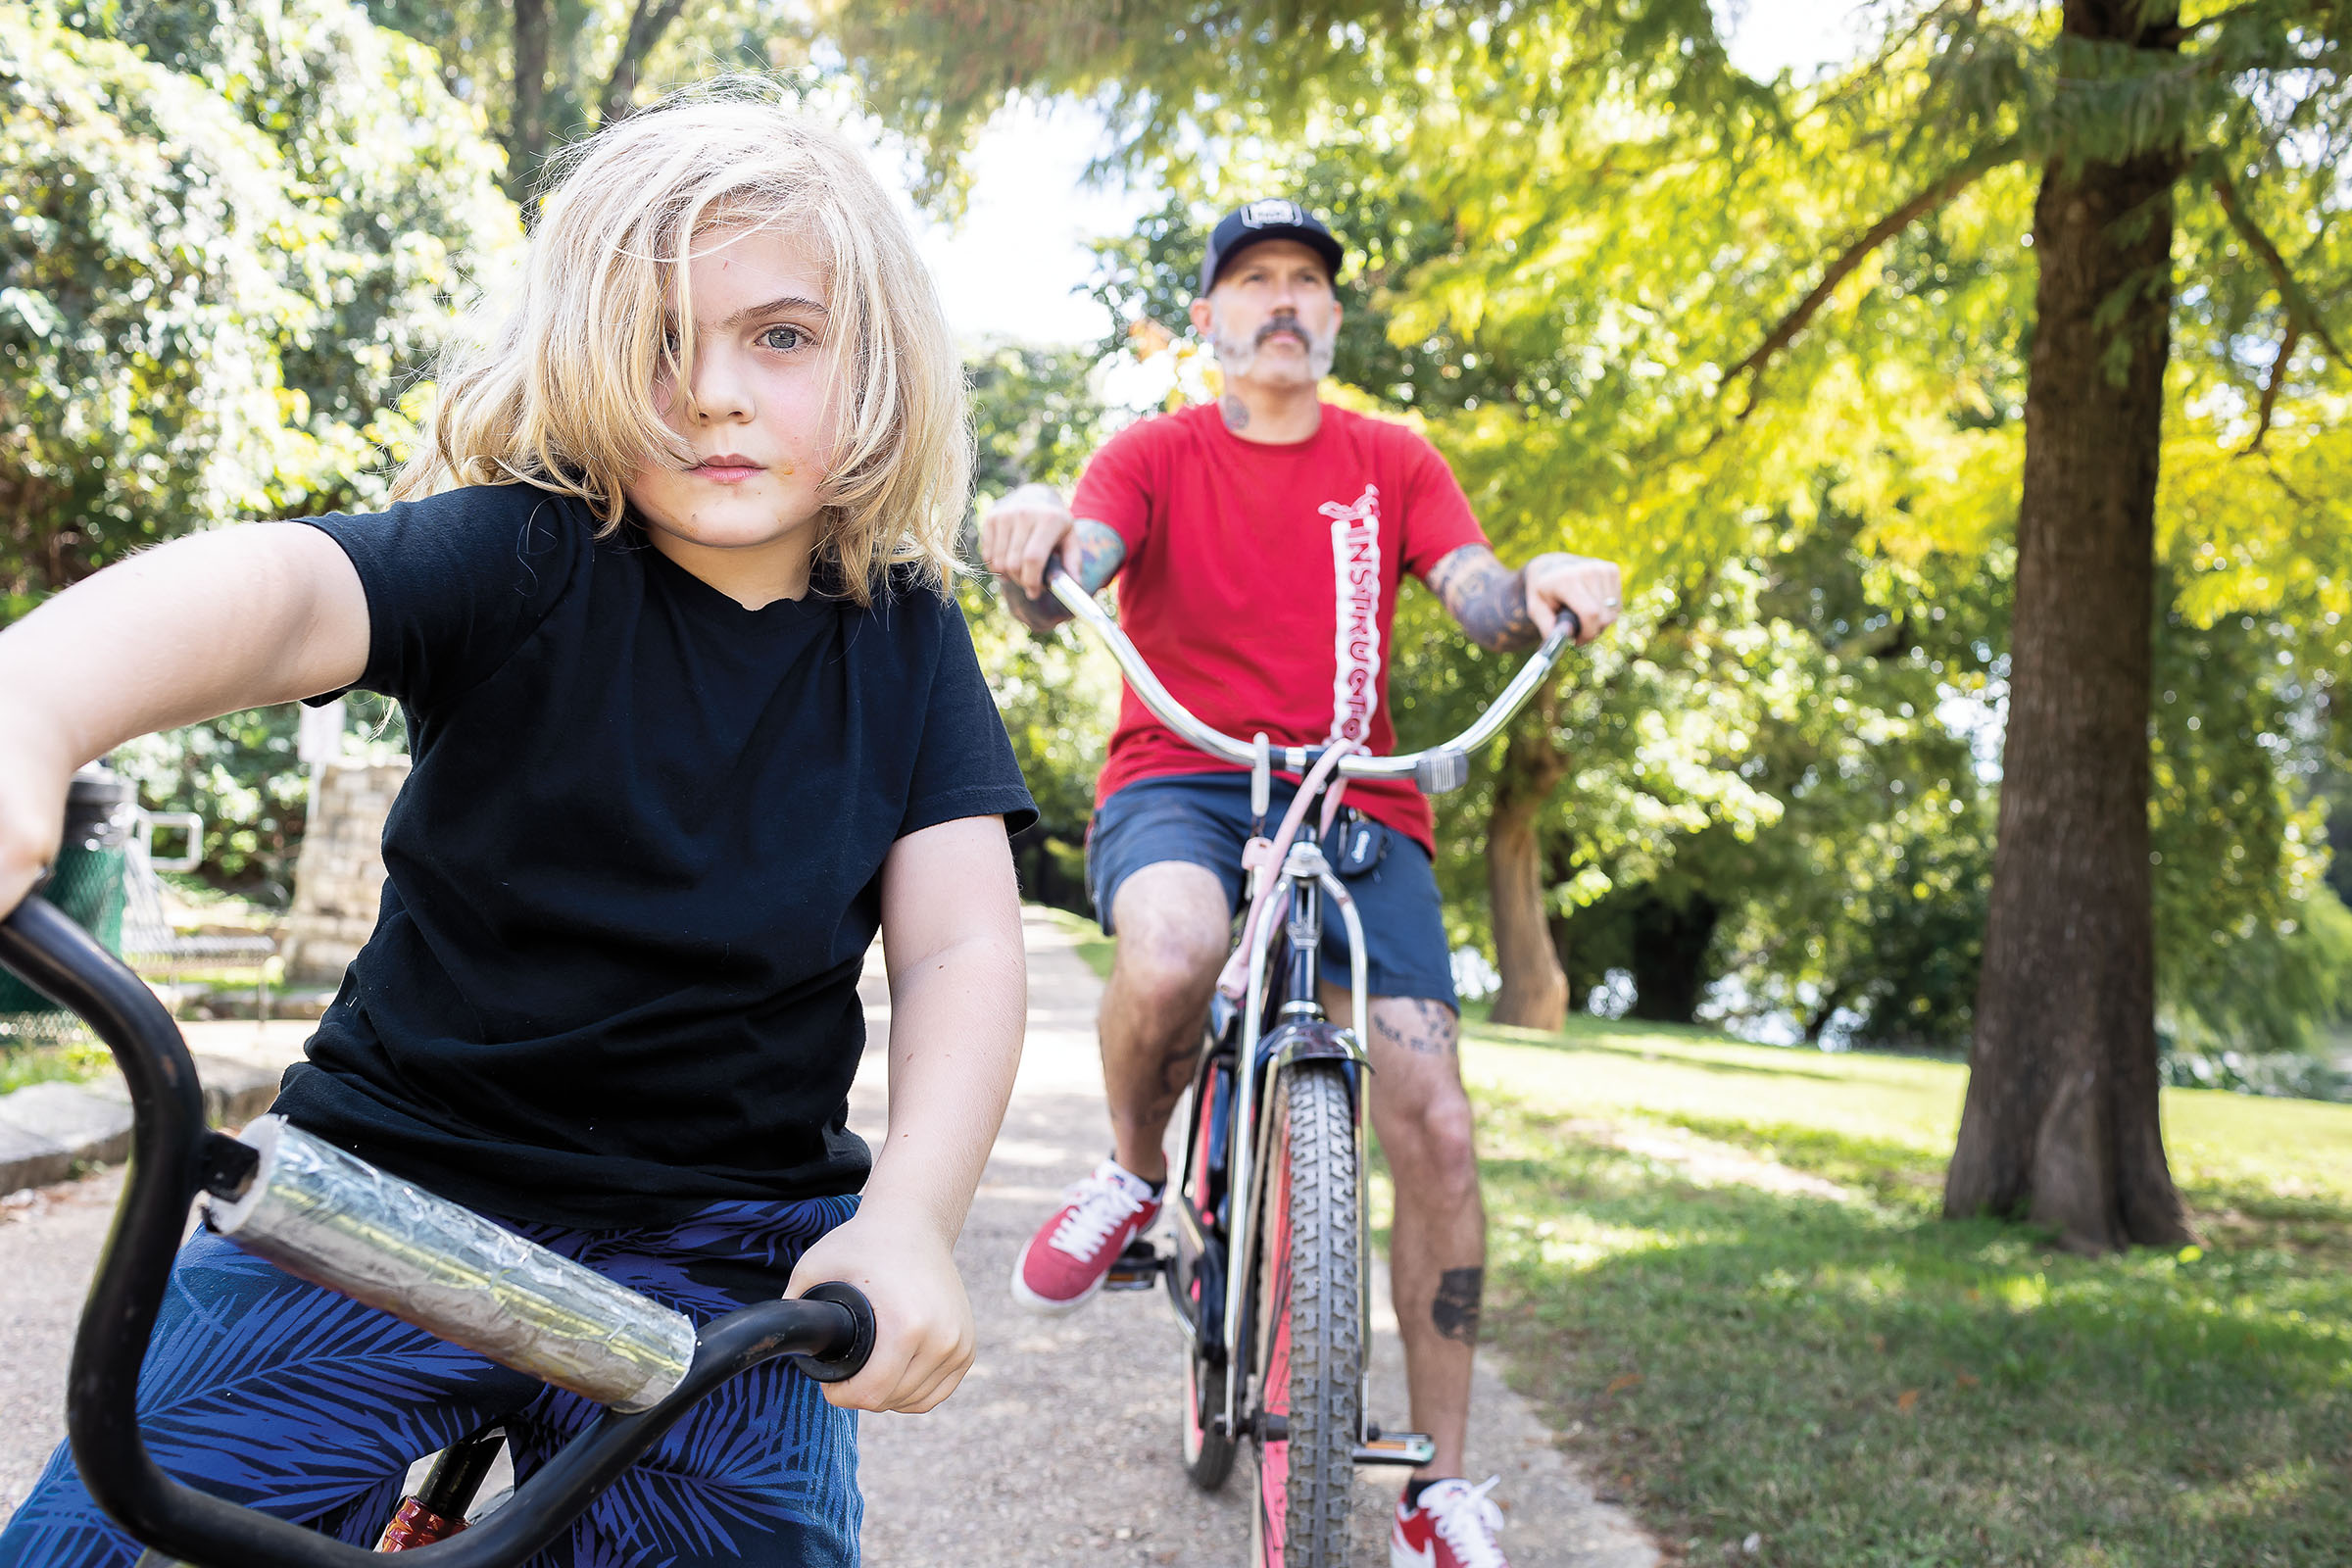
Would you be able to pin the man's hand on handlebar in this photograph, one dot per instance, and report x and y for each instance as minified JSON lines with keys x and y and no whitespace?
{"x":1021,"y":533}
{"x":1589,"y":587}
{"x":923,"y":1334}
{"x":1025,"y":532}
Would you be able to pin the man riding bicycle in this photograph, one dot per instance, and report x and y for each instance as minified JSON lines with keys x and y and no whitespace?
{"x":1260,"y":543}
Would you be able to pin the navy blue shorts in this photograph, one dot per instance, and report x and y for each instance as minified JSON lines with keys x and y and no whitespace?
{"x":295,"y":1401}
{"x":1204,"y":819}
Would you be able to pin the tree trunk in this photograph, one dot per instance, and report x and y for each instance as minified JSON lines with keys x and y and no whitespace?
{"x":1670,"y":957}
{"x":1827,"y":1009}
{"x":647,"y":23}
{"x":527,"y":128}
{"x":1563,"y":954}
{"x":1534,"y":993}
{"x":2060,"y":1123}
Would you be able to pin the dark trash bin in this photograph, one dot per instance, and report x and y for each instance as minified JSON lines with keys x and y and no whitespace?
{"x":86,"y":883}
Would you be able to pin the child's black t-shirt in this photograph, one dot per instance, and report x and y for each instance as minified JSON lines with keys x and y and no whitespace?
{"x":636,"y":867}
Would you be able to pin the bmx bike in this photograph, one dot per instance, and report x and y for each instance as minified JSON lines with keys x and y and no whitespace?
{"x":327,"y":1217}
{"x":1267,"y":1271}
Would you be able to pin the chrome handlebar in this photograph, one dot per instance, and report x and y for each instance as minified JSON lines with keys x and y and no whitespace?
{"x":1433,"y":771}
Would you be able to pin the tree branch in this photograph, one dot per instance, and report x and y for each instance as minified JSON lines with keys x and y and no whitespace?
{"x":2181,"y":32}
{"x":646,"y":27}
{"x":2300,"y":309}
{"x":1855,"y":253}
{"x":2270,"y":384}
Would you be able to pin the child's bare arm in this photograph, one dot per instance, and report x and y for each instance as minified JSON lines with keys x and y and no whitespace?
{"x":202,"y":626}
{"x":958,"y":999}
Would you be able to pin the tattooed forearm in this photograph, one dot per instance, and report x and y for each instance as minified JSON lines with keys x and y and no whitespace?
{"x":1413,"y":1023}
{"x":1093,"y":552}
{"x":1460,"y":1294}
{"x":1487,"y":596}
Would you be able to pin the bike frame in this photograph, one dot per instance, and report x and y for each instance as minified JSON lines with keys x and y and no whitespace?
{"x":1303,"y":879}
{"x":1297,"y":886}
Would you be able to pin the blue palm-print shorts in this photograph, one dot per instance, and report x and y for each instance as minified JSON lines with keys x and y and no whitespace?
{"x":301,"y":1403}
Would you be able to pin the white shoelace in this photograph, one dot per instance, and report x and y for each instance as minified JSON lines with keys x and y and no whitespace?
{"x":1467,"y":1521}
{"x":1100,"y":1204}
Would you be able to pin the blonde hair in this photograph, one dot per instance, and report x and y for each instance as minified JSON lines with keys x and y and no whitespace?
{"x":554,"y":388}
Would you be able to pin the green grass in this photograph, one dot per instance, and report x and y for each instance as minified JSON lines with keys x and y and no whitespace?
{"x":70,"y":1061}
{"x":1858,"y":1382}
{"x":1093,"y":945}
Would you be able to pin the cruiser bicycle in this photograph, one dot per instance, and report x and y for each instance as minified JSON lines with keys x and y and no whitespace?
{"x":327,"y":1217}
{"x":1266,"y":1272}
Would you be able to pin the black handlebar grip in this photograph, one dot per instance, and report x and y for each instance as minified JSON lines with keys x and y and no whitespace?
{"x":846,"y":1356}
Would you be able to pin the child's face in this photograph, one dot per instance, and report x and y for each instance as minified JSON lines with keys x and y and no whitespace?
{"x":754,"y":416}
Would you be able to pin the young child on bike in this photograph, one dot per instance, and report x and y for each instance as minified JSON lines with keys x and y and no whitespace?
{"x":691,"y":718}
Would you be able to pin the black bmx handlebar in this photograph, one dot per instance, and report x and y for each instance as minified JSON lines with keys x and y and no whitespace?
{"x":829,"y":1330}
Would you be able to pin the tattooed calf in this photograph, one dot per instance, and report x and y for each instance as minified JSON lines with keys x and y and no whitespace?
{"x":1455,"y":1309}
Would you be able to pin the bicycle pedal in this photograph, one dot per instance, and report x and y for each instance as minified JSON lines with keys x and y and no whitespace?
{"x":1138,"y":1268}
{"x":1414,"y":1449}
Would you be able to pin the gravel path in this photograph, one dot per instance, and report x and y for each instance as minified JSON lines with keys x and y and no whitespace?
{"x":1060,"y":1447}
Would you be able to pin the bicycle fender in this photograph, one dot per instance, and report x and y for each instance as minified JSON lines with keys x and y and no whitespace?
{"x":1310,"y":1040}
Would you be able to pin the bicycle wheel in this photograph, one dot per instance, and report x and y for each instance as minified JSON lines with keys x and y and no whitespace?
{"x":1308,"y":1326}
{"x":1207,"y":1454}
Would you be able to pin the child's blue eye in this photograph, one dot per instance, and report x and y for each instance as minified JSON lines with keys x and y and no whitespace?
{"x":793,"y":337}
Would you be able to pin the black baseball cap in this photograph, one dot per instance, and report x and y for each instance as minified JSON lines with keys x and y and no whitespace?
{"x":1275,"y":217}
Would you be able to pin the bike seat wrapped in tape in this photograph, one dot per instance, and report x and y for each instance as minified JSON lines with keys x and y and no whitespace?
{"x":331,"y":1218}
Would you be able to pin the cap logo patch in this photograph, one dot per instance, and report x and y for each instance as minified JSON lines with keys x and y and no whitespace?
{"x":1272,"y":212}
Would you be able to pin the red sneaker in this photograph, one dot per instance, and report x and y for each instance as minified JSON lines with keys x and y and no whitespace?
{"x":1066,"y":1260}
{"x":1452,"y":1527}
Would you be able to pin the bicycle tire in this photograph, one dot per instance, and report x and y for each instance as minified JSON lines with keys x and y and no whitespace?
{"x":1208,"y":1454}
{"x":1308,"y":1325}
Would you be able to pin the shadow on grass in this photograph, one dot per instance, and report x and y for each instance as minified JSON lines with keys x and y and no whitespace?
{"x":1895,"y":1173}
{"x":1859,"y":1384}
{"x":1903,"y":1175}
{"x":1696,"y":1062}
{"x":1579,"y":1025}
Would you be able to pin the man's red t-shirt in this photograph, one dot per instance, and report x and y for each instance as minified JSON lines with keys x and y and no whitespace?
{"x":1260,"y":584}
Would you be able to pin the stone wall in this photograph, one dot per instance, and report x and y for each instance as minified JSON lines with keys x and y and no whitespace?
{"x":340,"y":878}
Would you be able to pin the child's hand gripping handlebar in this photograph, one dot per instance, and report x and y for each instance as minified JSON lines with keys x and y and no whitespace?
{"x":330,"y":1218}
